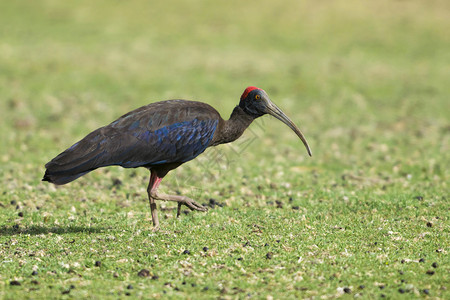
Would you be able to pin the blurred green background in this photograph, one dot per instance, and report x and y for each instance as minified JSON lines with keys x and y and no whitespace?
{"x":366,"y":81}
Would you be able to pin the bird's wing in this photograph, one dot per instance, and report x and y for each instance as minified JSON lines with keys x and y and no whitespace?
{"x":172,"y":131}
{"x":175,"y":143}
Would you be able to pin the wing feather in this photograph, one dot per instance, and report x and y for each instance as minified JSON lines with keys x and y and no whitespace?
{"x":173,"y":131}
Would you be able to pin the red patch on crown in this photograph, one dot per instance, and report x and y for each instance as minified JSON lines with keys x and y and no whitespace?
{"x":247,"y":91}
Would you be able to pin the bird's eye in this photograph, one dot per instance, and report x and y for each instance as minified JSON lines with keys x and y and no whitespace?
{"x":257,"y":97}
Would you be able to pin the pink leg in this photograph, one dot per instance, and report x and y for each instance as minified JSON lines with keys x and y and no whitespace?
{"x":151,"y":190}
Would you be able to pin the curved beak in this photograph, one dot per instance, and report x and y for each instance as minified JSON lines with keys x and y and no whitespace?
{"x":273,"y":110}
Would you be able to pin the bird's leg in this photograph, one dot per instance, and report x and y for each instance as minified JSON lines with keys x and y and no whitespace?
{"x":153,"y":195}
{"x":151,"y":191}
{"x":179,"y":209}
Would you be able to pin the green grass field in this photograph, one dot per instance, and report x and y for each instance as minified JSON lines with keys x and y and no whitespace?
{"x":367,"y":215}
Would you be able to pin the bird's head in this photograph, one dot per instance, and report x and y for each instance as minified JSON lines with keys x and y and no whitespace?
{"x":256,"y":103}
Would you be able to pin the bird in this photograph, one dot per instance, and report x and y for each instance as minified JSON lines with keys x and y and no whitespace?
{"x":161,"y":136}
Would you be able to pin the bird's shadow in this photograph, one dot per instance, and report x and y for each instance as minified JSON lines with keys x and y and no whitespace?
{"x":36,"y":230}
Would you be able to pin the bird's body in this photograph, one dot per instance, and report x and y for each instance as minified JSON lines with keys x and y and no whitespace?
{"x":159,"y":134}
{"x":160,"y":137}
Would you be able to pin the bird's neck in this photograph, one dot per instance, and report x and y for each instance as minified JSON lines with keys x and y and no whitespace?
{"x":233,"y":128}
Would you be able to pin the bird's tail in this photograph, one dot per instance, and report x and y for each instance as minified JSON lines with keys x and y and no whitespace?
{"x":78,"y":160}
{"x":59,"y":179}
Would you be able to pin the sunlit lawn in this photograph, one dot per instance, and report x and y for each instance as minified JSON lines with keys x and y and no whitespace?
{"x":367,"y":215}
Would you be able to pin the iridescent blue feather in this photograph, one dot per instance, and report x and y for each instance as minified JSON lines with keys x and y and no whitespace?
{"x":168,"y":132}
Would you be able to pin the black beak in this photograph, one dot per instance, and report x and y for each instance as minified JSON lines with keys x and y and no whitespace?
{"x":273,"y":110}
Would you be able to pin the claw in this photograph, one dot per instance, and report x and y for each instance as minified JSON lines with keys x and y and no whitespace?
{"x":193,"y":205}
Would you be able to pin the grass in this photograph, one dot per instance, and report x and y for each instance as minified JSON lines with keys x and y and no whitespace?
{"x":366,"y":216}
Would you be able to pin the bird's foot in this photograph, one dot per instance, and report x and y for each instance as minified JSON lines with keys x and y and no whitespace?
{"x":191,"y":204}
{"x":182,"y":200}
